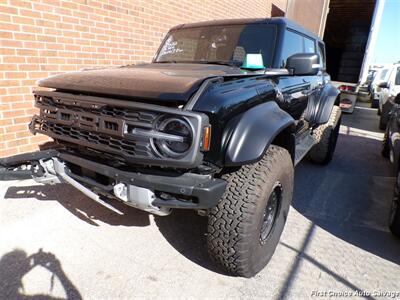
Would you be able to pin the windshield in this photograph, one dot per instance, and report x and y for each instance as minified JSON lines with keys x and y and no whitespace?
{"x":397,"y":80}
{"x":219,"y":44}
{"x":383,"y":74}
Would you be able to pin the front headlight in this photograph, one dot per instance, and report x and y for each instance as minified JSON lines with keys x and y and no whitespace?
{"x":177,"y":139}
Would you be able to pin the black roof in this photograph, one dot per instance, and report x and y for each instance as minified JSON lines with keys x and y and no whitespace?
{"x":284,"y":22}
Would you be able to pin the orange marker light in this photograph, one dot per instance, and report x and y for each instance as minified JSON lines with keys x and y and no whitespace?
{"x":206,"y":138}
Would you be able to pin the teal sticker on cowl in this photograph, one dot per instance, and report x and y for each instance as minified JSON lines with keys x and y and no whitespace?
{"x":253,"y":61}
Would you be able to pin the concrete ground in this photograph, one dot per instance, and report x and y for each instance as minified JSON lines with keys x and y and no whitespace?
{"x":56,"y":243}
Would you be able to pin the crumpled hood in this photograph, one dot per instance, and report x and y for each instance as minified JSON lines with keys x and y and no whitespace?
{"x":163,"y":82}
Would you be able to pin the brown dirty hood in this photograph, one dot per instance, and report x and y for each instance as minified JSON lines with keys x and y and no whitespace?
{"x":163,"y":82}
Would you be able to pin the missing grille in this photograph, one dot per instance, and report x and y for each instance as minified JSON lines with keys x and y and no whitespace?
{"x":111,"y":125}
{"x":65,"y":116}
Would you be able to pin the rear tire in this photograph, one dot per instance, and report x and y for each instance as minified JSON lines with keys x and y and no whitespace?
{"x":385,"y":146}
{"x":384,"y":117}
{"x":394,"y":219}
{"x":374,"y":103}
{"x":245,"y":226}
{"x":382,"y":122}
{"x":326,"y":136}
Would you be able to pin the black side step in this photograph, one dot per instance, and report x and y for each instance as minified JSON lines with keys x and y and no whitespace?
{"x":303,"y":145}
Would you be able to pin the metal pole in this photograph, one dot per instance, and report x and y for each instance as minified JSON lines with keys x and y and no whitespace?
{"x":372,"y":38}
{"x":324,"y":16}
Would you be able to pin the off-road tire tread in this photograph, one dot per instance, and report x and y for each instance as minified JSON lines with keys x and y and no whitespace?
{"x":382,"y":124}
{"x":384,"y":117}
{"x":385,"y":151}
{"x":394,"y":225}
{"x":322,"y":151}
{"x":374,"y":103}
{"x":230,"y":220}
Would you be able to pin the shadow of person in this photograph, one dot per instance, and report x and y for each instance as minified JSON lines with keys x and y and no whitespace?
{"x":80,"y":206}
{"x":16,"y":264}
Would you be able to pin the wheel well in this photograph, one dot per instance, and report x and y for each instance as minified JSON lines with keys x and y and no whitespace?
{"x":286,"y":139}
{"x":337,"y":100}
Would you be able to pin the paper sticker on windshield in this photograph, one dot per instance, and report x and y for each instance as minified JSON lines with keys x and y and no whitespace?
{"x":170,"y":47}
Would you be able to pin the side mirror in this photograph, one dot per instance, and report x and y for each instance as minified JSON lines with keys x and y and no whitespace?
{"x":303,"y":64}
{"x":383,"y":84}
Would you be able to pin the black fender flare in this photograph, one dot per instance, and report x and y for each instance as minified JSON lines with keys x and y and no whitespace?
{"x":254,"y":132}
{"x":320,"y":105}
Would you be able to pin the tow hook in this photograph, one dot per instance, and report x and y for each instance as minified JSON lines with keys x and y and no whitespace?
{"x":140,"y":198}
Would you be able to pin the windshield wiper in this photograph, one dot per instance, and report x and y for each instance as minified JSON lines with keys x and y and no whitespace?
{"x":221,"y":62}
{"x":217,"y":62}
{"x":208,"y":62}
{"x":166,"y":62}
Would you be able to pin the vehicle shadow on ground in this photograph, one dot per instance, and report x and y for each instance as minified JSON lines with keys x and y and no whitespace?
{"x":350,"y":198}
{"x":80,"y":206}
{"x":285,"y":289}
{"x":183,"y":229}
{"x":186,"y":232}
{"x":16,"y":264}
{"x":352,"y":204}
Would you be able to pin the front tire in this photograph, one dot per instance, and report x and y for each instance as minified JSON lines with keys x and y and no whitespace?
{"x":326,"y":136}
{"x":245,"y":226}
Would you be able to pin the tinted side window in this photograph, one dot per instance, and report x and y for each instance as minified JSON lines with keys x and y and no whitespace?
{"x":397,"y":80}
{"x":292,"y":43}
{"x":309,"y":45}
{"x":295,"y":43}
{"x":321,"y":52}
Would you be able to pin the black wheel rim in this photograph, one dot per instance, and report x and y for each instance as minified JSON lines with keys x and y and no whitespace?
{"x":270,"y":213}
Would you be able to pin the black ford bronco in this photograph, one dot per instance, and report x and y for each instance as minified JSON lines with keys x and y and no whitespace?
{"x":215,"y":123}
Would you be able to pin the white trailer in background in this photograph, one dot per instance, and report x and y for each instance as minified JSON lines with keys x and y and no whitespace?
{"x":349,"y":29}
{"x":372,"y":38}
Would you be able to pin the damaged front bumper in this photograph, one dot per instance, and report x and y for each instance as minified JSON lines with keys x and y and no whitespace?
{"x":156,"y":193}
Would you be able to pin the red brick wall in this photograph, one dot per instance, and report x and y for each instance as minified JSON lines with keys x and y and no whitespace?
{"x":43,"y":37}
